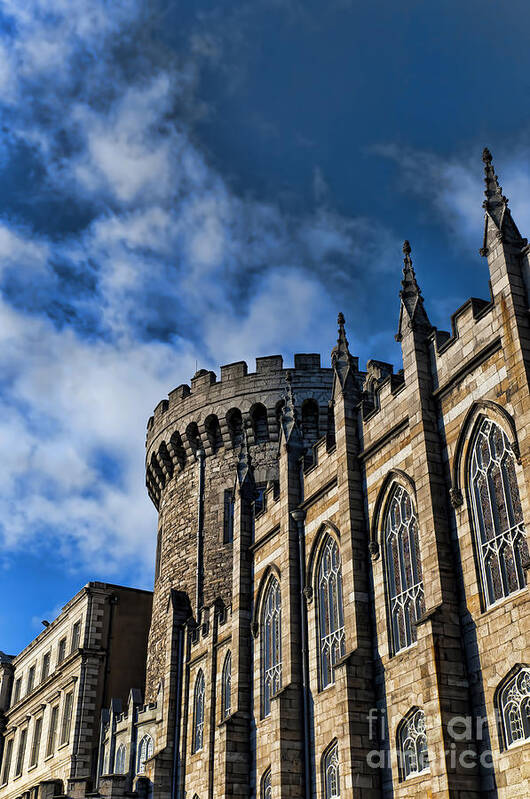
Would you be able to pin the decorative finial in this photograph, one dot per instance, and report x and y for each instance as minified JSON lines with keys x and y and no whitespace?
{"x":340,"y":319}
{"x":406,"y":247}
{"x":291,"y":431}
{"x":341,"y":360}
{"x":496,"y":207}
{"x":410,"y":294}
{"x":486,"y":156}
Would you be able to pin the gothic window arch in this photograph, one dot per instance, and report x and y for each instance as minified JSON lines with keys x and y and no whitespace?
{"x":330,"y":609}
{"x":226,"y":686}
{"x":145,"y":751}
{"x":404,"y":582}
{"x":500,"y":535}
{"x":119,"y":763}
{"x":330,"y":772}
{"x":260,"y":425}
{"x":514,"y":707}
{"x":412,"y":744}
{"x":310,"y":425}
{"x":266,"y":785}
{"x":271,"y":645}
{"x":197,"y":738}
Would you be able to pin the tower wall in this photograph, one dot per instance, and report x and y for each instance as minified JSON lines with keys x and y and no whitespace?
{"x":204,"y":416}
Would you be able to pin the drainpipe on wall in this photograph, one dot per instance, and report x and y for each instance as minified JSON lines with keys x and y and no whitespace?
{"x":299,"y":517}
{"x":81,"y":693}
{"x":181,"y":613}
{"x":201,"y":455}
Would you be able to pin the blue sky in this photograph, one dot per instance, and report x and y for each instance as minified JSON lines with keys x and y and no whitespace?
{"x":203,"y":182}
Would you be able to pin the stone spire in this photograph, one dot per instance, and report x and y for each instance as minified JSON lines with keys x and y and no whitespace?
{"x":411,"y":299}
{"x":496,"y":205}
{"x":290,"y":427}
{"x":342,"y":362}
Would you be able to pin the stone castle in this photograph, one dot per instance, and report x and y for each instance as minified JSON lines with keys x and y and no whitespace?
{"x":340,"y":605}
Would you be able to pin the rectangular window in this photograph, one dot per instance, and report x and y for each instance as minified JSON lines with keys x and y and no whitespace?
{"x":31,"y":679}
{"x":158,"y":554}
{"x":52,"y":732}
{"x":61,"y":654}
{"x":76,"y":636}
{"x":21,"y":751}
{"x":6,"y":767}
{"x":16,"y":693}
{"x":67,"y":717}
{"x":228,"y":527}
{"x":45,"y":666}
{"x":35,"y":745}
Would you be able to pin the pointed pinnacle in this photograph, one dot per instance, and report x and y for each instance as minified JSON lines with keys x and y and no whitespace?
{"x":289,"y":420}
{"x":410,"y":293}
{"x":492,"y":190}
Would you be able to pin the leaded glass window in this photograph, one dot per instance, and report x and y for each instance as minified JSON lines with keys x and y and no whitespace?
{"x":404,"y":578}
{"x":198,"y":713}
{"x":119,"y":764}
{"x":496,"y":504}
{"x":330,"y":610}
{"x":145,"y":751}
{"x":515,"y":707}
{"x":266,"y":786}
{"x":412,"y":745}
{"x":271,"y":645}
{"x":331,"y":777}
{"x":226,"y":690}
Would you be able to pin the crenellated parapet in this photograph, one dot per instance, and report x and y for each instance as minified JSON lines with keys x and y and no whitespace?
{"x":211,"y":414}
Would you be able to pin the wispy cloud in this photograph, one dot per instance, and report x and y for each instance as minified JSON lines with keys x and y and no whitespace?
{"x":100,"y":320}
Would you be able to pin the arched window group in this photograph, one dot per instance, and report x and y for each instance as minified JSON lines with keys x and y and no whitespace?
{"x":514,"y":706}
{"x":412,"y":744}
{"x":119,"y":763}
{"x":403,"y":568}
{"x":330,"y":610}
{"x":145,"y":751}
{"x":198,"y":713}
{"x":497,"y":513}
{"x":330,"y":772}
{"x":271,"y":645}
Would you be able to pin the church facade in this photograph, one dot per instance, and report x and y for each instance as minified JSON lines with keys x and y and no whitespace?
{"x":341,"y":603}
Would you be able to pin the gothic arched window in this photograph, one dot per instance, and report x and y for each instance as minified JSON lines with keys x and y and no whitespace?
{"x":330,"y":610}
{"x":406,"y":597}
{"x":119,"y":763}
{"x":330,"y":773}
{"x":271,"y":645}
{"x":145,"y":751}
{"x":197,"y":740}
{"x":266,"y":786}
{"x":412,"y":744}
{"x":226,"y":686}
{"x":260,"y":424}
{"x":514,"y":705}
{"x":497,"y":513}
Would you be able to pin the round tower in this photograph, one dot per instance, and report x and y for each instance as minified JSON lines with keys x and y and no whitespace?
{"x":193,"y":442}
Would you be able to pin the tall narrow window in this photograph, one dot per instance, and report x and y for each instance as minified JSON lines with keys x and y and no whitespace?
{"x":6,"y":765}
{"x":31,"y":679}
{"x":266,"y":785}
{"x":119,"y":765}
{"x":330,"y":773}
{"x":260,"y":424}
{"x":412,"y":745}
{"x":496,"y":504}
{"x":67,"y":717}
{"x":52,"y":731}
{"x":45,"y":666}
{"x":228,"y":519}
{"x":76,"y":636}
{"x":16,"y":692}
{"x":21,"y":751}
{"x":330,"y":610}
{"x":515,"y":707}
{"x":198,"y":713}
{"x":61,"y":652}
{"x":271,"y":645}
{"x":35,"y":744}
{"x":145,"y":751}
{"x":226,"y":694}
{"x":404,"y":577}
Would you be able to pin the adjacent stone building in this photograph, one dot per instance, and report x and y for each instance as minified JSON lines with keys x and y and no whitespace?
{"x":341,"y":602}
{"x":53,"y":692}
